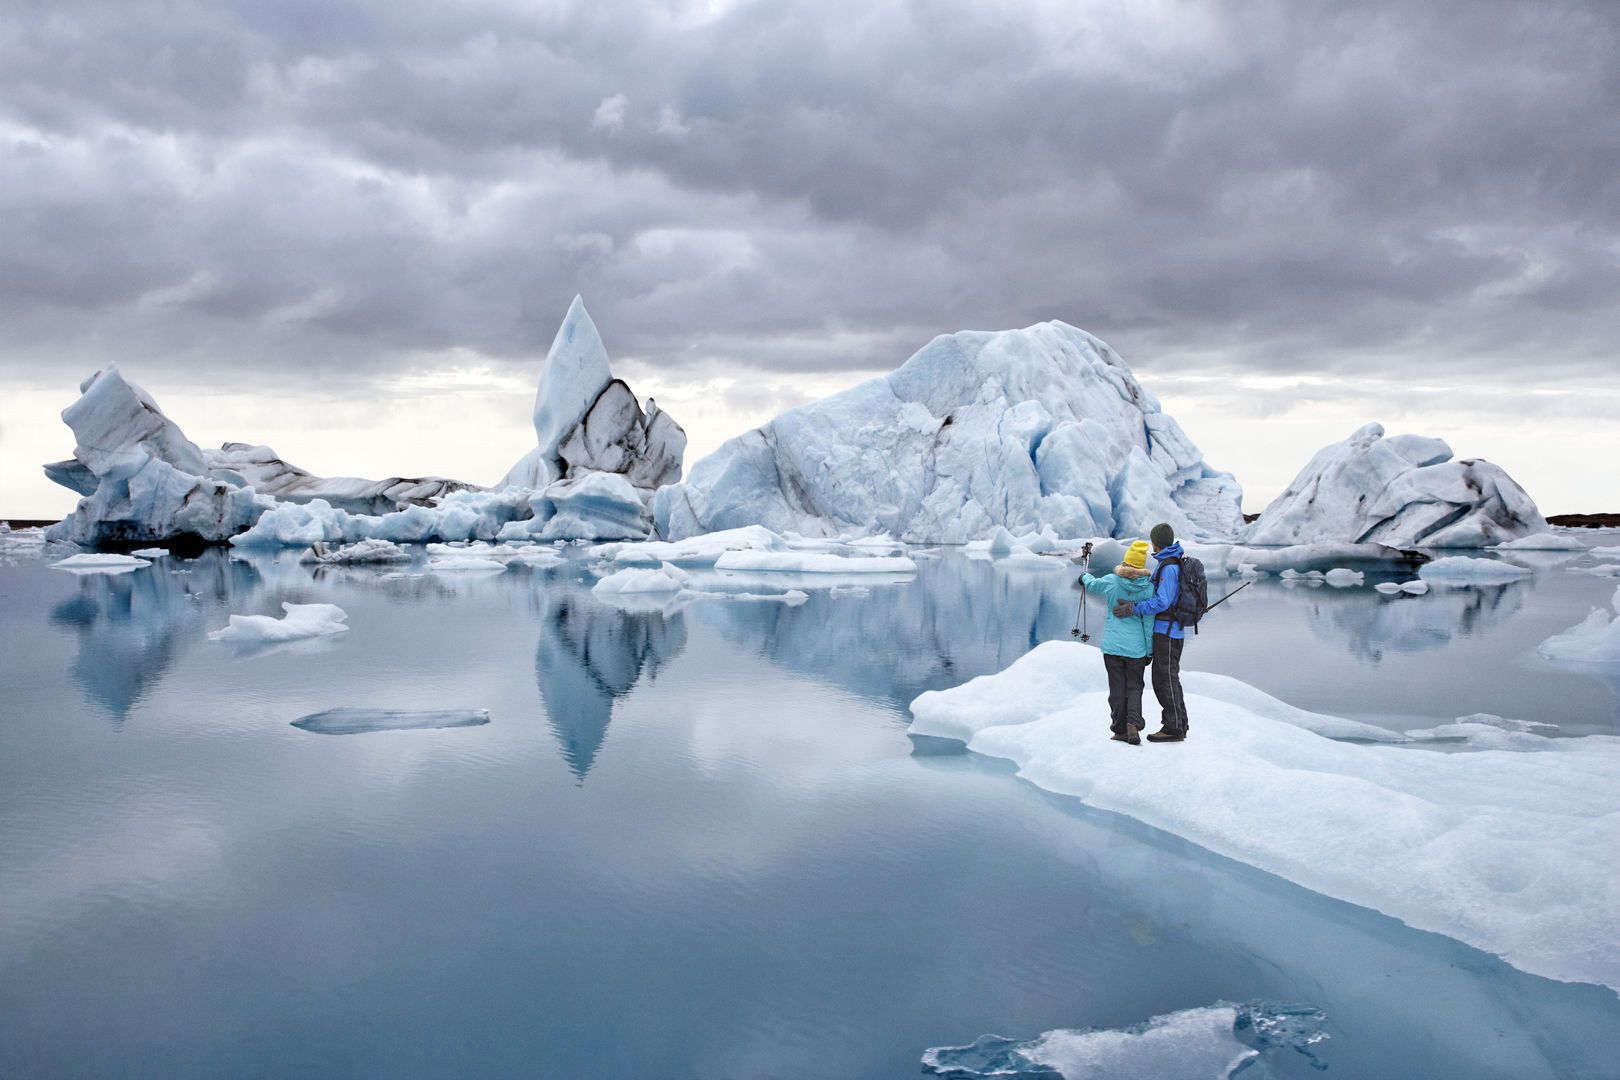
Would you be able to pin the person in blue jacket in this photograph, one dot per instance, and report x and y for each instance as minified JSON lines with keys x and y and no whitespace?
{"x":1127,"y":640}
{"x":1168,"y":635}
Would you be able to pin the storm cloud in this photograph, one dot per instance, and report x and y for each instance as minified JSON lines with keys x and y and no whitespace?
{"x":356,"y":191}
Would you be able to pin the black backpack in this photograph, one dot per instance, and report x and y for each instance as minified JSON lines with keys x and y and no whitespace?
{"x":1193,"y":599}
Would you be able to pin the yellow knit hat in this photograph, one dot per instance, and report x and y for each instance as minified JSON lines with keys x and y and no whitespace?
{"x":1137,"y":555}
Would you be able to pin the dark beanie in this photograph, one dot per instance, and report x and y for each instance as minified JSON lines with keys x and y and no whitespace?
{"x":1162,"y":535}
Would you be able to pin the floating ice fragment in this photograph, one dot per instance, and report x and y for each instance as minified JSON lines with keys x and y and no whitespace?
{"x":1605,"y":552}
{"x":1594,"y":640}
{"x":1402,"y":588}
{"x":301,"y":621}
{"x":1468,"y":570}
{"x":447,"y":564}
{"x":91,"y":563}
{"x":1342,"y":577}
{"x":1542,"y":541}
{"x":364,"y":551}
{"x":1487,"y":731}
{"x":665,"y":579}
{"x":1194,"y":1044}
{"x":1601,"y":569}
{"x":151,"y":553}
{"x":797,"y":562}
{"x":361,"y":721}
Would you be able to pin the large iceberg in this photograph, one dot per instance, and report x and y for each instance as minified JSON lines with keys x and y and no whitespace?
{"x":1508,"y":852}
{"x":259,"y":468}
{"x":140,"y":477}
{"x":586,"y":421}
{"x":1400,"y":491}
{"x":1044,"y":426}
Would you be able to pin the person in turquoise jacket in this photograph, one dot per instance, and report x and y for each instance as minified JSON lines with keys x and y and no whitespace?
{"x":1127,"y":641}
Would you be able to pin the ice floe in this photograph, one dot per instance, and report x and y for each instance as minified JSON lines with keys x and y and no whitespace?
{"x":1402,"y":588}
{"x":701,"y":550}
{"x":95,"y":563}
{"x":1486,"y":731}
{"x":665,"y":579}
{"x":1510,"y":853}
{"x":350,"y":721}
{"x":463,"y":564}
{"x":1194,"y":1044}
{"x":300,"y":621}
{"x":1401,"y":491}
{"x":1593,"y":640}
{"x":1543,"y":541}
{"x":1469,"y":570}
{"x":1342,"y":577}
{"x":1044,"y":426}
{"x":360,"y":552}
{"x":801,"y":562}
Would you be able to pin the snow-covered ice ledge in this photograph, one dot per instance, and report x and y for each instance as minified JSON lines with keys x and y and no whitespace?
{"x":1512,"y":853}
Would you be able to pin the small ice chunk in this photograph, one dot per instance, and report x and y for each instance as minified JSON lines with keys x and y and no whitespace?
{"x":1402,"y":588}
{"x":1605,"y":553}
{"x":361,"y":721}
{"x":1487,"y":731}
{"x":301,"y":621}
{"x":363,"y":551}
{"x":93,"y":563}
{"x":665,"y":579}
{"x":800,"y":562}
{"x":1543,"y":541}
{"x":151,"y":553}
{"x":456,"y":564}
{"x":1468,"y":570}
{"x":1343,"y":577}
{"x":1202,"y":1042}
{"x":1593,"y":640}
{"x":1022,"y":558}
{"x":1601,"y":569}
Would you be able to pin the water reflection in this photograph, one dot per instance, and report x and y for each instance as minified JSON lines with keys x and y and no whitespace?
{"x":1370,"y":625}
{"x":132,"y":627}
{"x":959,"y":619}
{"x":588,"y":657}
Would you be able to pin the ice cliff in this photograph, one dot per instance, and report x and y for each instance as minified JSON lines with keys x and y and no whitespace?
{"x":1044,"y":426}
{"x":1400,"y":491}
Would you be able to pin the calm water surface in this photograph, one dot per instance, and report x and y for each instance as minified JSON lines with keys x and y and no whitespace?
{"x":690,"y":842}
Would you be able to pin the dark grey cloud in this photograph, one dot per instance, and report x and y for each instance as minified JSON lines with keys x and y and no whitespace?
{"x":208,"y":188}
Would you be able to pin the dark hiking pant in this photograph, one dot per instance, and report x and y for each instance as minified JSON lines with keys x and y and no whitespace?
{"x":1167,"y":683}
{"x":1124,"y":690}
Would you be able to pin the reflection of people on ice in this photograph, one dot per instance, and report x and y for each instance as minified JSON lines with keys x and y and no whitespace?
{"x":1127,"y":640}
{"x":1169,"y":631}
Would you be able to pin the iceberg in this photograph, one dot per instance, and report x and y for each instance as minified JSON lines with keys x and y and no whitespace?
{"x":1508,"y":852}
{"x":1605,"y":552}
{"x":1402,"y":588}
{"x":1023,"y":429}
{"x":258,"y":467}
{"x":447,"y":564}
{"x":99,"y":564}
{"x":589,"y":506}
{"x":1208,"y":1043}
{"x":1401,"y":491}
{"x":1594,"y":640}
{"x":702,"y":550}
{"x":586,"y":421}
{"x":1542,"y":542}
{"x":1342,"y":577}
{"x":300,"y":621}
{"x":141,"y":479}
{"x":361,"y":721}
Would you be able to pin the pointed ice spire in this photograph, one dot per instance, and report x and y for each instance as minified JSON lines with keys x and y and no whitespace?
{"x":575,"y":374}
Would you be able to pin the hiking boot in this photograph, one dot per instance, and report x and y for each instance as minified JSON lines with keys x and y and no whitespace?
{"x":1166,"y":735}
{"x":1129,"y":735}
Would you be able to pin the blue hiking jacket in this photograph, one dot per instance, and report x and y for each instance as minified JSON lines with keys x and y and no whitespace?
{"x":1131,"y":635}
{"x":1169,"y":588}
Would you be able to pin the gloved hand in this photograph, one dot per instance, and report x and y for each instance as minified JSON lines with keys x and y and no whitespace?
{"x":1124,"y":608}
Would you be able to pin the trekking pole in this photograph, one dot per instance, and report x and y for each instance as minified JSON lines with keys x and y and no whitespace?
{"x":1082,"y":614}
{"x":1227,"y":597}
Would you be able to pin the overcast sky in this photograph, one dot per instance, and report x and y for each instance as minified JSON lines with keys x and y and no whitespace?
{"x":350,"y":230}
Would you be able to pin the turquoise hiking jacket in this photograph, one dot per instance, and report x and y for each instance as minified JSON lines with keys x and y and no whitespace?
{"x":1133,"y":634}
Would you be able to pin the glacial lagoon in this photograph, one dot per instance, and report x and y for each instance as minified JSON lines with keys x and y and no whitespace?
{"x":693,"y":839}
